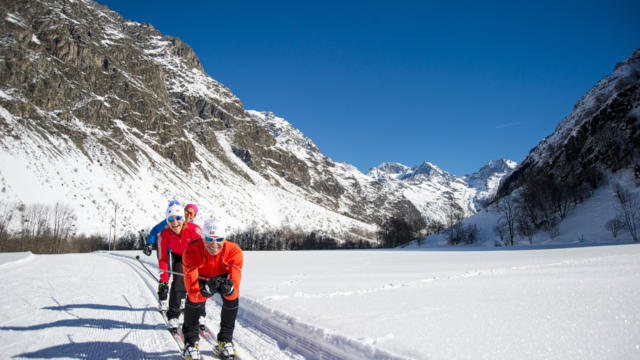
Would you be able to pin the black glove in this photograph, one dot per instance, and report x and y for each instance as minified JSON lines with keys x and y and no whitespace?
{"x":163,"y":290}
{"x":226,"y":287}
{"x":147,"y":249}
{"x":210,"y":287}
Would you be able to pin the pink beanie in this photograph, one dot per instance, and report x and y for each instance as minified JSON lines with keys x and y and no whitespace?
{"x":192,"y":206}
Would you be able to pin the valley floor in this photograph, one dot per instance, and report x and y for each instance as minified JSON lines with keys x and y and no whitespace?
{"x":569,"y":303}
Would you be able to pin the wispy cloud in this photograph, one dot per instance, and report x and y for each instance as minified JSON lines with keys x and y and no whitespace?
{"x":508,"y":125}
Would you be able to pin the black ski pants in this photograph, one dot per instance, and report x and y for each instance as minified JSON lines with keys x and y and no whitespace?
{"x":178,"y":291}
{"x":192,"y":312}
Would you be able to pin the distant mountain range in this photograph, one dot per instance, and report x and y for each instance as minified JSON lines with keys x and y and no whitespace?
{"x":431,"y":189}
{"x":426,"y":186}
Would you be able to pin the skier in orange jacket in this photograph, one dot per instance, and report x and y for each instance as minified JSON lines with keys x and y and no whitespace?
{"x":219,"y":262}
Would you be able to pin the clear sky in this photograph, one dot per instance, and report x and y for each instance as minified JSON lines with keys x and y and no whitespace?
{"x":455,"y":83}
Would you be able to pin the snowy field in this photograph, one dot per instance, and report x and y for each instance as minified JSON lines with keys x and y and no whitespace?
{"x":563,"y":303}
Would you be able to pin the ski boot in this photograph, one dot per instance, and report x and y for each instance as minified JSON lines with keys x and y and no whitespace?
{"x":173,"y":325}
{"x":227,"y":350}
{"x":191,"y":351}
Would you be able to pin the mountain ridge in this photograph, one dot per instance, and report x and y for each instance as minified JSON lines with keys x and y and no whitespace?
{"x":116,"y":118}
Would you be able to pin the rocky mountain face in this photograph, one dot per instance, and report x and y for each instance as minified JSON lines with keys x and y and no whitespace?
{"x":601,"y":135}
{"x":434,"y":191}
{"x":115,"y":117}
{"x":356,"y":191}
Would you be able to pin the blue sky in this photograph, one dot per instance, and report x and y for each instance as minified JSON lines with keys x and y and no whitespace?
{"x":453,"y":83}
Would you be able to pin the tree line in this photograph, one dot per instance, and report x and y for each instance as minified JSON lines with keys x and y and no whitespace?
{"x":286,"y":238}
{"x":543,"y":202}
{"x":44,"y":229}
{"x":51,"y":229}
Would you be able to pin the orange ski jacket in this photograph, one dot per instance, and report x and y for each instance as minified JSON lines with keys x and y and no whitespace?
{"x":170,"y":241}
{"x":198,"y":262}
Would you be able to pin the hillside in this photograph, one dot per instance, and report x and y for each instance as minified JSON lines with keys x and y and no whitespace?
{"x":114,"y":118}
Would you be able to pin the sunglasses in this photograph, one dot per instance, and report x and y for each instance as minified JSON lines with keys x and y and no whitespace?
{"x":174,"y":218}
{"x":210,"y":239}
{"x":190,"y":212}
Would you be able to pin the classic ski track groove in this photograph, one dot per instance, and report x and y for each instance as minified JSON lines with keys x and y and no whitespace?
{"x":291,"y":336}
{"x":145,"y":277}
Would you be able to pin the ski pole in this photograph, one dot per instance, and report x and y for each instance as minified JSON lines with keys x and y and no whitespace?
{"x":145,"y":267}
{"x":169,"y":271}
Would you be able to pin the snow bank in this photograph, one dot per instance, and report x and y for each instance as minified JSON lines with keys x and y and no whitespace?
{"x":14,"y":258}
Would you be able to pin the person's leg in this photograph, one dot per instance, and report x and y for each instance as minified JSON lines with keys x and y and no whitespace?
{"x":190,"y":327}
{"x":178,"y":290}
{"x":228,"y":319}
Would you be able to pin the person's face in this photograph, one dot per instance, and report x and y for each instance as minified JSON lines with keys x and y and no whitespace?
{"x":213,"y":247}
{"x":189,"y":215}
{"x":176,"y":223}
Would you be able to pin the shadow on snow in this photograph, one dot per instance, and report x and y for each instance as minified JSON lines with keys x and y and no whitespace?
{"x":98,"y":350}
{"x":98,"y":307}
{"x":105,"y":324}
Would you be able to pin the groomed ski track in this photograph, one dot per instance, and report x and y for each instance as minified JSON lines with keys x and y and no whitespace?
{"x":262,"y":333}
{"x":103,"y":306}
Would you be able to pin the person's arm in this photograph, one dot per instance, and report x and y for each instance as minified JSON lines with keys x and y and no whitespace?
{"x":234,"y":266}
{"x":163,"y":258}
{"x":155,"y":231}
{"x":190,"y":259}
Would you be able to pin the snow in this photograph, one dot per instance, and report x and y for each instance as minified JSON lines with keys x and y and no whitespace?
{"x":547,"y":303}
{"x":16,"y":19}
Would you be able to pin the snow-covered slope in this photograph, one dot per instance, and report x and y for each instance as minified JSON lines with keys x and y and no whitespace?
{"x":584,"y":224}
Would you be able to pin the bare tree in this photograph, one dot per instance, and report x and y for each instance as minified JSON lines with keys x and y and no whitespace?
{"x":5,"y":221}
{"x":525,"y":228}
{"x":614,"y":225}
{"x":35,"y":228}
{"x":454,"y":216}
{"x":628,"y":206}
{"x":63,"y":226}
{"x":560,"y":198}
{"x":506,"y":210}
{"x":499,"y":230}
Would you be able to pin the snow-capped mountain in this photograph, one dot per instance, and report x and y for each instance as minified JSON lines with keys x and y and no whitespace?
{"x":433,"y":191}
{"x":487,"y":180}
{"x":114,"y":118}
{"x":601,"y":135}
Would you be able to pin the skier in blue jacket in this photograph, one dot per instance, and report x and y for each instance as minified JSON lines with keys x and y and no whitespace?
{"x":190,"y":212}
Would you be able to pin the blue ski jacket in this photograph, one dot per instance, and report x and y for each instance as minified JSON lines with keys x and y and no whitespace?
{"x":153,"y":234}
